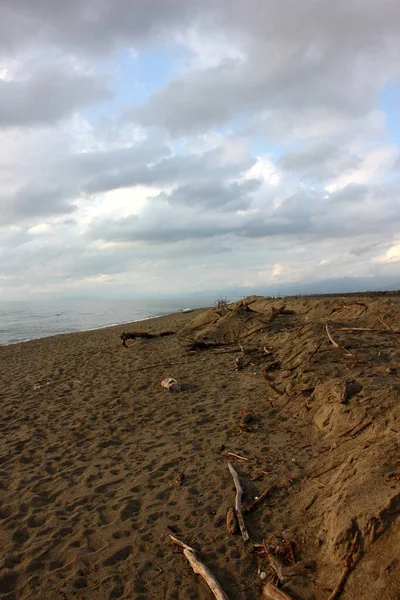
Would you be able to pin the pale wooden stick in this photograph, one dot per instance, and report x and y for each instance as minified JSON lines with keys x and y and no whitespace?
{"x":387,"y":326}
{"x":332,"y":341}
{"x":200,"y":569}
{"x":270,"y":592}
{"x":182,"y":544}
{"x":238,"y":503}
{"x":237,"y":456}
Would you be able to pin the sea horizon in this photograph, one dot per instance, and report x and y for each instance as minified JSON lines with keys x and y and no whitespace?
{"x":24,"y":320}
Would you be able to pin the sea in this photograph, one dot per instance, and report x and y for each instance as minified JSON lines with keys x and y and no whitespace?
{"x":27,"y":320}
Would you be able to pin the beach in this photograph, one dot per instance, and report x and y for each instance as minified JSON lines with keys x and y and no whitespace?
{"x":100,"y":464}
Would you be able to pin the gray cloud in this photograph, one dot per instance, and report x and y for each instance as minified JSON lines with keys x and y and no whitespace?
{"x":48,"y":95}
{"x":319,"y":161}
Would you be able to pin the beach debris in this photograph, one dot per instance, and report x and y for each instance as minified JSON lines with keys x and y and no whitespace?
{"x":178,"y":481}
{"x":200,"y":569}
{"x":171,"y":384}
{"x":246,"y":418}
{"x":237,"y":456}
{"x":231,"y":521}
{"x":238,"y":503}
{"x":257,"y":501}
{"x":270,"y":592}
{"x":144,"y":335}
{"x":274,"y":563}
{"x":335,"y":344}
{"x":348,"y":566}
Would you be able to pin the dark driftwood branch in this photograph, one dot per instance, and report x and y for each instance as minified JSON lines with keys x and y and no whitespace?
{"x":274,"y":563}
{"x":258,"y":500}
{"x":270,"y":592}
{"x":200,"y":569}
{"x":145,"y":335}
{"x":347,"y":568}
{"x":238,"y":503}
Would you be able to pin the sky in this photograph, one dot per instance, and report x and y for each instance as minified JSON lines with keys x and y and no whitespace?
{"x":162,"y":147}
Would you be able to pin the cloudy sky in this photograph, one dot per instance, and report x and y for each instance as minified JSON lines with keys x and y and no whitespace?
{"x":168,"y":146}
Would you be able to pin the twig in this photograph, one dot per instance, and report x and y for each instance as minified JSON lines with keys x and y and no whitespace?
{"x":347,"y":568}
{"x":371,"y":329}
{"x":200,"y":569}
{"x":335,"y":344}
{"x":360,"y":429}
{"x":182,"y":544}
{"x":258,"y":500}
{"x":237,"y":456}
{"x":274,"y":563}
{"x":387,"y":327}
{"x":154,"y":366}
{"x":270,"y":592}
{"x":238,"y":503}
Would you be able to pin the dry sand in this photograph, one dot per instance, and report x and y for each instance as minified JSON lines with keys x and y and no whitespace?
{"x":99,"y":463}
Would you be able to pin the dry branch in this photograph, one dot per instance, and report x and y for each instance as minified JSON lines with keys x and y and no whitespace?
{"x":387,"y":327}
{"x":335,"y":344}
{"x":270,"y":592}
{"x":274,"y":563}
{"x":258,"y":500}
{"x":347,"y":568}
{"x":238,"y":503}
{"x":200,"y":569}
{"x":148,"y":336}
{"x":237,"y":456}
{"x":182,"y":544}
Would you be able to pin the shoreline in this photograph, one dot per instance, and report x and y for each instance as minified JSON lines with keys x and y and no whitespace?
{"x":77,"y":331}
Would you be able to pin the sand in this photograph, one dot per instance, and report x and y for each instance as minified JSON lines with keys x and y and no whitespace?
{"x":99,"y":463}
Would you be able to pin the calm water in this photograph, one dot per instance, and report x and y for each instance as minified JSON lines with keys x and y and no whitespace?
{"x":26,"y":320}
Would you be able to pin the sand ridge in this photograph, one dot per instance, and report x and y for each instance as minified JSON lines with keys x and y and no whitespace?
{"x":99,"y":463}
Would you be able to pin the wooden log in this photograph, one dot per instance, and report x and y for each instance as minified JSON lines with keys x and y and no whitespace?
{"x":200,"y":569}
{"x":238,"y":503}
{"x":270,"y":592}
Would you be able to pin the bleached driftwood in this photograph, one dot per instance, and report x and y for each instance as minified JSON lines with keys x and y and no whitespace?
{"x":238,"y":503}
{"x":335,"y":344}
{"x":200,"y":569}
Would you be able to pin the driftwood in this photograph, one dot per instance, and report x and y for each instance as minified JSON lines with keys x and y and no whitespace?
{"x":347,"y":568}
{"x":231,"y":521}
{"x":371,"y":329}
{"x":145,"y":335}
{"x":200,"y":569}
{"x":237,"y":456}
{"x":193,"y":345}
{"x":335,"y":344}
{"x":274,"y":563}
{"x":238,"y":503}
{"x":258,"y":500}
{"x":275,"y":312}
{"x":387,"y":327}
{"x":270,"y":592}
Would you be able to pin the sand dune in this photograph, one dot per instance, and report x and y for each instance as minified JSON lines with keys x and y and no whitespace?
{"x":99,"y":463}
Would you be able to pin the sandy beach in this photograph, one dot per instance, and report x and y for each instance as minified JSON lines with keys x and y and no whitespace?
{"x":99,"y":464}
